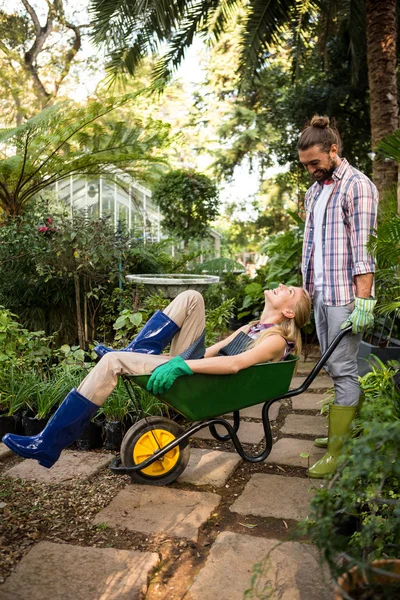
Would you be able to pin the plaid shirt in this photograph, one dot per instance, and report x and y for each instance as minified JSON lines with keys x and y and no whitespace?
{"x":349,"y":220}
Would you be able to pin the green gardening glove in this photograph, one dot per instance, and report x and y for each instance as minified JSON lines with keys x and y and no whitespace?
{"x":164,"y":376}
{"x":362,"y":317}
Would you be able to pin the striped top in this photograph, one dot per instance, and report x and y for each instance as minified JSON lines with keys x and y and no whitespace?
{"x":349,"y":220}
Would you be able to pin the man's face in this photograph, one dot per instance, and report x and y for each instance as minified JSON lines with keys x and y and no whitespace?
{"x":318,"y":163}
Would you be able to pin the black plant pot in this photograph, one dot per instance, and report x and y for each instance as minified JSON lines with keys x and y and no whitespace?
{"x":32,"y":426}
{"x":113,"y":432}
{"x":91,"y":437}
{"x":391,"y":352}
{"x":10,"y":424}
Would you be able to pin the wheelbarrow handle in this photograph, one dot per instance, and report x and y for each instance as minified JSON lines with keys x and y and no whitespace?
{"x":322,"y":361}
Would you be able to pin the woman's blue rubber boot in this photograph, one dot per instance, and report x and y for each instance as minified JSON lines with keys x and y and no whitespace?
{"x":155,"y":335}
{"x":61,"y":431}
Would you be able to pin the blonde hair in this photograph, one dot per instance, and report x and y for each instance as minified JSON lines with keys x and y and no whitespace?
{"x":290,"y":328}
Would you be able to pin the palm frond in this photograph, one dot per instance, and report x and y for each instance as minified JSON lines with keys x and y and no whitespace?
{"x":265,"y":23}
{"x":386,"y":244}
{"x":390,"y":146}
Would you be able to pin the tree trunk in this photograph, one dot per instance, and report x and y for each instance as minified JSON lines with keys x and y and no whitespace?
{"x":381,"y":59}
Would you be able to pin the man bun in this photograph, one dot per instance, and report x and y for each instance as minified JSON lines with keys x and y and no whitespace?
{"x":320,"y":122}
{"x":318,"y":132}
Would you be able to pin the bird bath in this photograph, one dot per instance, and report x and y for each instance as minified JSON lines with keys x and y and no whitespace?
{"x":172,"y":284}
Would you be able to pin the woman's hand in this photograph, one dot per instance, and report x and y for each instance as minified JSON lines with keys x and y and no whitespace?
{"x":164,"y":376}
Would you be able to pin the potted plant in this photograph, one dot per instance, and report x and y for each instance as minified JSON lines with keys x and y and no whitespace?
{"x":115,"y":411}
{"x":16,"y":389}
{"x":46,"y":396}
{"x":355,"y":519}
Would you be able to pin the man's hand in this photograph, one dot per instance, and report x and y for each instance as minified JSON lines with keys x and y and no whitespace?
{"x":362,"y":317}
{"x":164,"y":376}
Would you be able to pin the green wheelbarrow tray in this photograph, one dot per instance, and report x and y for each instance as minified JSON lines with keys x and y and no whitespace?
{"x":199,"y":396}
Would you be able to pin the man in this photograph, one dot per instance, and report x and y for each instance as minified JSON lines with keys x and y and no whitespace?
{"x":337,"y":269}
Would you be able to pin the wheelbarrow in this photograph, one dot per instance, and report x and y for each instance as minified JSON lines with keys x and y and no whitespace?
{"x":155,"y":450}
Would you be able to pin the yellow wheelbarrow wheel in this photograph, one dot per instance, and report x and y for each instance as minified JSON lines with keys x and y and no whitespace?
{"x":143,"y":440}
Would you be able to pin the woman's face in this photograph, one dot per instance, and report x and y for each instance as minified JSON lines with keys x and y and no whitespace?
{"x":283,"y":297}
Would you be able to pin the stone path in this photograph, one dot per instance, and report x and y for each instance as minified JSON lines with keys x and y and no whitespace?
{"x":226,"y":532}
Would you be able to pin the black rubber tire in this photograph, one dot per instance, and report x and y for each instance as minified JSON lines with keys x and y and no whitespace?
{"x":135,"y":433}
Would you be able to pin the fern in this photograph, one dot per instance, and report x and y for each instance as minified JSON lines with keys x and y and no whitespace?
{"x":65,"y":139}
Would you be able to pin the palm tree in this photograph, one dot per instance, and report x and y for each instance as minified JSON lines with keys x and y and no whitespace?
{"x":131,"y":29}
{"x":65,"y":139}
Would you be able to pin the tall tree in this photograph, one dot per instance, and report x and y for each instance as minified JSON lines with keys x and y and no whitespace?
{"x":38,"y":46}
{"x":382,"y":76}
{"x":130,"y":29}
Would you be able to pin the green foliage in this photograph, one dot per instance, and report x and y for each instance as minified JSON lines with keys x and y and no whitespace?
{"x":22,"y":348}
{"x":381,"y":399}
{"x":154,"y":302}
{"x":284,"y":261}
{"x":41,"y":392}
{"x":219,"y":266}
{"x":48,"y":393}
{"x":284,"y":255}
{"x":357,"y":516}
{"x":72,"y":355}
{"x":188,"y":202}
{"x":263,"y":26}
{"x":365,"y":489}
{"x":119,"y":404}
{"x":127,"y":323}
{"x":16,"y":388}
{"x":385,"y":245}
{"x":217,"y":320}
{"x":48,"y":270}
{"x":253,"y":302}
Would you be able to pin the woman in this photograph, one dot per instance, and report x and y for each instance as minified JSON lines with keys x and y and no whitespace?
{"x":182,"y":323}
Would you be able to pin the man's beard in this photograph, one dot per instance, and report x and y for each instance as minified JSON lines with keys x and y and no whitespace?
{"x":324,"y":174}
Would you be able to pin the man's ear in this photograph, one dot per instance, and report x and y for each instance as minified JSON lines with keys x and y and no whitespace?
{"x":288,"y":313}
{"x":333,"y":153}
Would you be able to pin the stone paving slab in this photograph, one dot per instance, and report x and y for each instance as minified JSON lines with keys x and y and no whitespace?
{"x":305,"y":425}
{"x":290,"y":570}
{"x":308,"y":401}
{"x":71,"y":465}
{"x":305,"y":366}
{"x":209,"y":467}
{"x":249,"y":433}
{"x":275,"y":496}
{"x":4,"y":451}
{"x":254,"y":412}
{"x":322,"y":382}
{"x":286,"y":451}
{"x":62,"y":572}
{"x":151,"y":509}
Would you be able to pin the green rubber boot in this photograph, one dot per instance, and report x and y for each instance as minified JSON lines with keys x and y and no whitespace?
{"x":340,"y":419}
{"x":321,"y":442}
